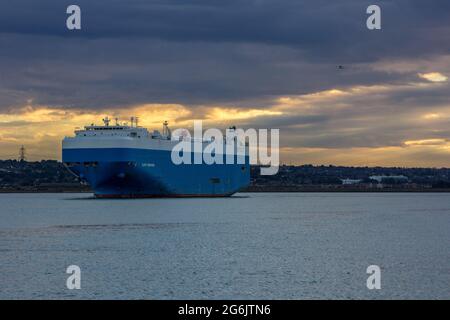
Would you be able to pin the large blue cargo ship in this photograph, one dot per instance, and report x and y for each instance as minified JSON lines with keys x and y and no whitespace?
{"x":128,"y":161}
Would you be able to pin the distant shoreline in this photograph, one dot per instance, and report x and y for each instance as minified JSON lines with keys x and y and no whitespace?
{"x":351,"y":191}
{"x":339,"y":189}
{"x":53,"y":177}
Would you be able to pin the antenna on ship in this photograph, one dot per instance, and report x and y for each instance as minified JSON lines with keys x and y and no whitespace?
{"x":22,"y":156}
{"x":117,"y":121}
{"x":136,"y":120}
{"x":166,"y":130}
{"x":132,"y":120}
{"x":106,"y":121}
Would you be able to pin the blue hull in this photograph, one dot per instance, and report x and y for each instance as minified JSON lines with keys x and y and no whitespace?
{"x":138,"y":173}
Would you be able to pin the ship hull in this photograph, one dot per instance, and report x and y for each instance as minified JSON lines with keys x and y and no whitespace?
{"x":148,"y":173}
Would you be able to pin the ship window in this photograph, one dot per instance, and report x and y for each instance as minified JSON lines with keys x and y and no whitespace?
{"x":243,"y":168}
{"x":214,"y":180}
{"x":90,"y":164}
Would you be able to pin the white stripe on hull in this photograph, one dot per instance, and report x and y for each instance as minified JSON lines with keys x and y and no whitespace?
{"x":122,"y":143}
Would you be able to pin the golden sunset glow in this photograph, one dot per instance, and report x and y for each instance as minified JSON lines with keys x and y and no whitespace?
{"x":432,"y":116}
{"x":227,"y":114}
{"x":334,"y":96}
{"x":433,"y":77}
{"x":304,"y":100}
{"x":383,"y":156}
{"x":41,"y":128}
{"x":425,"y":142}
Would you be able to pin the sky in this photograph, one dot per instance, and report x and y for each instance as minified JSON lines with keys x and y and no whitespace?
{"x":251,"y":63}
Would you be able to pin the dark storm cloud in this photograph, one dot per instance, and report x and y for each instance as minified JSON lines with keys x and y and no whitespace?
{"x":309,"y":23}
{"x":197,"y":52}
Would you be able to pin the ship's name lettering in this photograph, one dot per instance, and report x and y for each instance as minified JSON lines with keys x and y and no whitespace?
{"x":148,"y":164}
